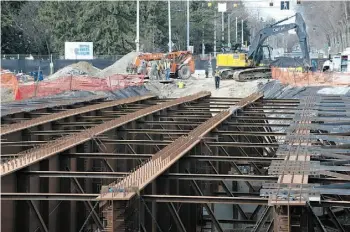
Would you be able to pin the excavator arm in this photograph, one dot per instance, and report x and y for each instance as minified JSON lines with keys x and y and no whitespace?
{"x":255,"y":51}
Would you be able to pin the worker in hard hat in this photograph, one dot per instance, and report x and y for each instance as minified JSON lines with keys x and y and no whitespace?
{"x":167,"y":69}
{"x":217,"y":79}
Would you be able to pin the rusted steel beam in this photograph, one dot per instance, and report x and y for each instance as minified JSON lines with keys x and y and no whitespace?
{"x":204,"y":158}
{"x":7,"y":129}
{"x":162,"y":160}
{"x":72,"y":174}
{"x":108,"y":156}
{"x":159,"y":198}
{"x":48,"y":196}
{"x":50,"y":103}
{"x":206,"y":199}
{"x":218,"y":177}
{"x":175,"y":132}
{"x":59,"y":145}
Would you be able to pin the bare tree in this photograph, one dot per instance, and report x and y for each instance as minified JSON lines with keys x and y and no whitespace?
{"x":328,"y":23}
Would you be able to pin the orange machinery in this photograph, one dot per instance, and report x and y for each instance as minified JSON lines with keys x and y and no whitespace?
{"x":182,"y":62}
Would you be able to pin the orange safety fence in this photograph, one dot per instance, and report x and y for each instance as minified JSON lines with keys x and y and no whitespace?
{"x":9,"y":81}
{"x":297,"y":78}
{"x":82,"y":83}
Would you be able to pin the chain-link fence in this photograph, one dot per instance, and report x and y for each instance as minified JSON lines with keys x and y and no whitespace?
{"x":24,"y":63}
{"x":52,"y":56}
{"x":21,"y":63}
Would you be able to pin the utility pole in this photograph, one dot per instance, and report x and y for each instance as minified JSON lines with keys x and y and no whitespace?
{"x":203,"y":48}
{"x":222,"y":29}
{"x":242,"y":33}
{"x":228,"y":30}
{"x":188,"y":25}
{"x":137,"y":26}
{"x":169,"y":20}
{"x":215,"y":34}
{"x":236,"y":30}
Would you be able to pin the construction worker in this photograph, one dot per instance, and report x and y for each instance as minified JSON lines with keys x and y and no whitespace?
{"x":140,"y":68}
{"x":160,"y":68}
{"x":167,"y":69}
{"x":217,"y":79}
{"x":154,"y":71}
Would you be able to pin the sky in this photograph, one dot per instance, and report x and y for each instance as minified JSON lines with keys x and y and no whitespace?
{"x":264,"y":10}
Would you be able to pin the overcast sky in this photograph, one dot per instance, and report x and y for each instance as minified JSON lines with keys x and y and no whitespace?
{"x":265,"y":10}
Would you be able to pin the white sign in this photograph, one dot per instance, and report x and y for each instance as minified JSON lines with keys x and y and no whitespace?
{"x":190,"y":48}
{"x":222,"y":7}
{"x":78,"y":51}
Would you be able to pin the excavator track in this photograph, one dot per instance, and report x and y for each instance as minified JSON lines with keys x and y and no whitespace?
{"x":252,"y":74}
{"x":247,"y":74}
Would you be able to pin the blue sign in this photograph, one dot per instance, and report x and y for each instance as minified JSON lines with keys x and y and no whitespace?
{"x":284,"y":5}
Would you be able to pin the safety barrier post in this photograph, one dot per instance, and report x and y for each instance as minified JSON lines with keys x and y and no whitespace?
{"x":110,"y":83}
{"x":71,"y":82}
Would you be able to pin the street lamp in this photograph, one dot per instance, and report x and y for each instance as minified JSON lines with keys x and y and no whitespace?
{"x":137,"y":26}
{"x":169,"y":20}
{"x":188,"y":25}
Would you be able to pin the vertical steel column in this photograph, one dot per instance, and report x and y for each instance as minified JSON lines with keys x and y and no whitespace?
{"x":154,"y":207}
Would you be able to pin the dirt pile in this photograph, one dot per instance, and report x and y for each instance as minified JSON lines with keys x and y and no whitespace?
{"x":86,"y":67}
{"x":7,"y":95}
{"x":80,"y":68}
{"x":119,"y":67}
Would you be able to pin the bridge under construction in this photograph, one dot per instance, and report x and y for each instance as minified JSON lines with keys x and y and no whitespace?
{"x":196,"y":163}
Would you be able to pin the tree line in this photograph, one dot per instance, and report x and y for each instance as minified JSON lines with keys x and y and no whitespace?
{"x":328,"y":24}
{"x":43,"y":27}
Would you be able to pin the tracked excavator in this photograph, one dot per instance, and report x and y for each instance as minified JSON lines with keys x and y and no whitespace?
{"x":255,"y":63}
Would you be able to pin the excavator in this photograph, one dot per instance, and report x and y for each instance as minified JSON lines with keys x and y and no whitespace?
{"x":182,"y":62}
{"x":255,"y":64}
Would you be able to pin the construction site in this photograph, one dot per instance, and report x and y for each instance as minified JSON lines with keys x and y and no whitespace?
{"x":169,"y":142}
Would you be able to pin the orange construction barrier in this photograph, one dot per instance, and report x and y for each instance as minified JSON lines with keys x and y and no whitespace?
{"x":289,"y":76}
{"x":78,"y":83}
{"x":9,"y":81}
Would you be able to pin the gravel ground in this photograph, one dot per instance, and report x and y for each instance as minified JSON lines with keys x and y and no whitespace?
{"x":228,"y":88}
{"x":7,"y":95}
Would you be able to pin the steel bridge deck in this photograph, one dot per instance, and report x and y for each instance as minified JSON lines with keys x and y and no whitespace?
{"x":250,"y":131}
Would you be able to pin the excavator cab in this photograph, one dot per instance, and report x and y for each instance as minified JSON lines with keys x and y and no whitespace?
{"x":263,"y":56}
